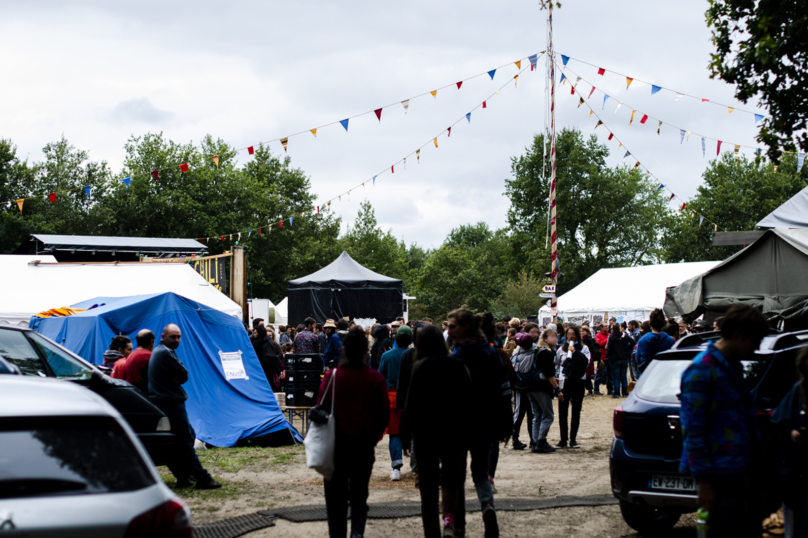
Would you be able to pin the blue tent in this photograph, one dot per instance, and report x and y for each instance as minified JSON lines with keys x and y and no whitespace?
{"x":222,"y":411}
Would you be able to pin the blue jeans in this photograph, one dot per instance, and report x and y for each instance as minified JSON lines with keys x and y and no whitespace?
{"x":604,"y":376}
{"x":396,"y":456}
{"x":619,"y":381}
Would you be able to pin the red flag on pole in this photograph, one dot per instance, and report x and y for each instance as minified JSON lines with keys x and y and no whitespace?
{"x":378,"y":112}
{"x":251,"y":150}
{"x":601,"y":71}
{"x":184,"y":167}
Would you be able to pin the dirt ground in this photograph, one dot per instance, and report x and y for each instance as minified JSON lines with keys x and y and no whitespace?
{"x":262,"y":478}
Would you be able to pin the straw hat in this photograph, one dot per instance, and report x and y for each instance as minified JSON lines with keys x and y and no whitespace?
{"x":329,"y":323}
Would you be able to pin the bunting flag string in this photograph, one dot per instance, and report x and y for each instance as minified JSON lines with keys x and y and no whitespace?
{"x":656,"y":88}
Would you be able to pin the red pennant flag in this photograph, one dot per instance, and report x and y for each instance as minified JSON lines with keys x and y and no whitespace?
{"x":155,"y":174}
{"x":601,"y":71}
{"x":718,"y":149}
{"x":705,"y":100}
{"x":531,"y":67}
{"x":572,"y":90}
{"x":591,"y":92}
{"x":184,"y":167}
{"x":449,"y":131}
{"x":259,"y":232}
{"x":459,"y":84}
{"x":671,"y":198}
{"x":611,"y":135}
{"x":251,"y":150}
{"x":52,"y":197}
{"x":280,"y":224}
{"x":683,"y":206}
{"x":222,"y":239}
{"x":318,"y":210}
{"x":393,"y":169}
{"x":644,"y":118}
{"x":378,"y":112}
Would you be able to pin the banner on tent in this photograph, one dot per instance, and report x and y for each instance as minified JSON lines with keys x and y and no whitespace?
{"x":232,"y":365}
{"x":214,"y":271}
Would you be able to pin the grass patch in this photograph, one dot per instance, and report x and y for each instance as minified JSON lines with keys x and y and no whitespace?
{"x":229,"y":490}
{"x":235,"y":459}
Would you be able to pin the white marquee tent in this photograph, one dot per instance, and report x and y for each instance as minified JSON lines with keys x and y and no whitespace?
{"x":33,"y":288}
{"x":630,"y":292}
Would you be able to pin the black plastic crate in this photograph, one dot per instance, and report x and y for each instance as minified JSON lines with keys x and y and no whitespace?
{"x":303,"y":362}
{"x":303,"y":378}
{"x":301,"y":398}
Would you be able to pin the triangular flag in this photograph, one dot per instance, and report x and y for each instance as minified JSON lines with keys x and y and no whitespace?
{"x":393,"y":169}
{"x":688,"y":136}
{"x":259,"y":231}
{"x":155,"y":174}
{"x":701,"y":220}
{"x":737,"y":149}
{"x":280,"y":224}
{"x":405,"y":163}
{"x":126,"y":181}
{"x":184,"y":167}
{"x":661,"y":186}
{"x":632,"y":118}
{"x":222,"y":239}
{"x":418,"y":155}
{"x":249,"y":232}
{"x":729,"y":110}
{"x":636,"y":165}
{"x":216,"y":157}
{"x":655,"y":89}
{"x":611,"y":135}
{"x":533,"y":59}
{"x":705,"y":100}
{"x":87,"y":191}
{"x":703,"y":150}
{"x":459,"y":84}
{"x":619,"y":104}
{"x":775,"y":169}
{"x":434,"y":93}
{"x":627,"y":154}
{"x":572,"y":90}
{"x":468,"y":117}
{"x":659,"y":127}
{"x":682,"y":134}
{"x":601,"y":71}
{"x":491,"y":73}
{"x":374,"y":181}
{"x":515,"y":81}
{"x":291,"y":221}
{"x":716,"y":227}
{"x":644,"y":118}
{"x":344,"y":123}
{"x":565,"y":59}
{"x":314,"y":132}
{"x":52,"y":197}
{"x":591,"y":92}
{"x":683,"y":206}
{"x":406,"y":104}
{"x":718,"y":148}
{"x":679,"y":95}
{"x":20,"y":202}
{"x":629,"y":80}
{"x":563,"y":78}
{"x":436,"y":141}
{"x":251,"y":150}
{"x":378,"y":112}
{"x":671,"y":198}
{"x":484,"y":105}
{"x":800,"y":160}
{"x":605,"y":98}
{"x":580,"y":102}
{"x":591,"y":112}
{"x":598,"y":124}
{"x":449,"y":132}
{"x":758,"y":117}
{"x":518,"y":64}
{"x":284,"y":142}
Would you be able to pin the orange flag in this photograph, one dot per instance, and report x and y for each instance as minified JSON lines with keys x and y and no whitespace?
{"x":314,"y":132}
{"x":216,"y":161}
{"x":19,"y":203}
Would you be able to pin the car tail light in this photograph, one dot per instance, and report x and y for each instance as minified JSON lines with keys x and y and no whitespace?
{"x":617,"y":423}
{"x":172,"y":519}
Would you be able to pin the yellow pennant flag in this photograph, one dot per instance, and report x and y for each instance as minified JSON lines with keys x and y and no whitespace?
{"x":629,"y":80}
{"x":737,"y":149}
{"x":434,"y":93}
{"x":632,"y":118}
{"x":580,"y":102}
{"x":284,"y":141}
{"x":730,"y":109}
{"x":775,"y":169}
{"x":636,"y":165}
{"x":591,"y":112}
{"x":515,"y":81}
{"x":216,"y":161}
{"x":314,"y":132}
{"x":716,"y":227}
{"x":518,"y":64}
{"x":436,"y":142}
{"x":340,"y":198}
{"x":418,"y":155}
{"x":19,"y":203}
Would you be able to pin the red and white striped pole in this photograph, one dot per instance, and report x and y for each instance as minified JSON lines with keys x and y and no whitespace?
{"x":553,"y":223}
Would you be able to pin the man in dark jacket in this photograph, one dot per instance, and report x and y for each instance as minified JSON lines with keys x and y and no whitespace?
{"x":618,"y":353}
{"x":491,"y":409}
{"x":166,"y":376}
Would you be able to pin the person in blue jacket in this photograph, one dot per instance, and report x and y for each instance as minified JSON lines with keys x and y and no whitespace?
{"x":333,"y":351}
{"x":719,"y":423}
{"x":654,"y":342}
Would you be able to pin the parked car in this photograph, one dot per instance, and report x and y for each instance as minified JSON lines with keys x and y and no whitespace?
{"x":71,"y":466}
{"x":35,"y":355}
{"x":647,"y":446}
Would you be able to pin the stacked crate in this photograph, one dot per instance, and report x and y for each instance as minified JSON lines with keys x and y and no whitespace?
{"x":303,"y":376}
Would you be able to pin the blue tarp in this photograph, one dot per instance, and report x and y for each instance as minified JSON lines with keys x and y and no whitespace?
{"x":222,"y":411}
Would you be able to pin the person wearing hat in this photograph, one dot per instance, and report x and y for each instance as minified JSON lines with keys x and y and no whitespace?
{"x":389,"y":367}
{"x":333,"y":351}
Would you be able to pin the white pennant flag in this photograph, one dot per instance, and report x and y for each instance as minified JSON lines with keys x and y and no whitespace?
{"x":619,"y":104}
{"x":700,"y":221}
{"x":406,"y":104}
{"x":679,"y":96}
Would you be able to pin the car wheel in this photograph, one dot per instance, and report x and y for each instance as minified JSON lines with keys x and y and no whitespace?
{"x":647,"y":520}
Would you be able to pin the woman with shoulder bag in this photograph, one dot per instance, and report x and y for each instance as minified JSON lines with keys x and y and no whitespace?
{"x":525,"y":349}
{"x":541,"y":394}
{"x":362,"y":410}
{"x":572,"y":363}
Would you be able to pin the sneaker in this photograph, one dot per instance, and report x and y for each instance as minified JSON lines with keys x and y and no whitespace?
{"x":574,"y":444}
{"x":448,"y":532}
{"x":395,"y":476}
{"x":561,"y":444}
{"x":490,"y":521}
{"x":543,"y":447}
{"x":616,"y":396}
{"x":185,"y":483}
{"x":518,"y":445}
{"x":208,"y":484}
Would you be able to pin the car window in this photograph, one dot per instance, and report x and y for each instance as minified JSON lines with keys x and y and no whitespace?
{"x":662,"y":380}
{"x":63,"y":365}
{"x":57,"y":456}
{"x":16,"y":349}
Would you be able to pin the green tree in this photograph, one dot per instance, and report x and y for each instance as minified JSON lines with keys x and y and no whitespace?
{"x":607,"y":217}
{"x":377,"y":250}
{"x":520,"y":297}
{"x":736,"y":195}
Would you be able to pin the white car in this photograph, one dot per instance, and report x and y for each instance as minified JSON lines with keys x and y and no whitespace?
{"x":70,"y":465}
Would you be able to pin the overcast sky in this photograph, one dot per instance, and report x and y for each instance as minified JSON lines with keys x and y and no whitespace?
{"x":248,"y":72}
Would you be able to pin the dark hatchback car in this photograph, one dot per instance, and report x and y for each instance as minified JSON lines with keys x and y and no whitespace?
{"x":645,"y":453}
{"x":35,"y":355}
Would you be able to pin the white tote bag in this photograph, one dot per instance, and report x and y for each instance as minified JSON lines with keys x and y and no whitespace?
{"x":321,"y":439}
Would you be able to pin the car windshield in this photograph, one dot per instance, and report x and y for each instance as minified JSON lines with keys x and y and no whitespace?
{"x":64,"y":366}
{"x":17,"y":349}
{"x":661,"y":381}
{"x":50,"y":456}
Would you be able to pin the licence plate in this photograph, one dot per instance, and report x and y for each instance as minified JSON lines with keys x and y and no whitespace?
{"x":677,"y":483}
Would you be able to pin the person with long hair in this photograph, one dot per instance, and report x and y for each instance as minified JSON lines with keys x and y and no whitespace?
{"x":523,"y":385}
{"x":436,"y":420}
{"x":115,"y":356}
{"x":361,"y":412}
{"x":573,"y":386}
{"x":594,"y":353}
{"x":618,"y":350}
{"x":541,"y":394}
{"x":382,"y":345}
{"x":269,"y":355}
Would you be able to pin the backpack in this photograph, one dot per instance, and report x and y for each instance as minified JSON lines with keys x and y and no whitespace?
{"x":523,"y":363}
{"x":575,"y":367}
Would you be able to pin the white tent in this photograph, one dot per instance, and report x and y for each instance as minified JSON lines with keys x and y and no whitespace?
{"x":282,"y":312}
{"x":33,"y":288}
{"x":630,"y":292}
{"x":792,"y":214}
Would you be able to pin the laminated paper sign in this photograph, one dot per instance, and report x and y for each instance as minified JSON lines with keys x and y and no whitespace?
{"x":232,"y":365}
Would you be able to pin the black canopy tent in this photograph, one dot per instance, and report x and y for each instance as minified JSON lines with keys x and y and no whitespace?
{"x":345,"y":289}
{"x":92,"y":248}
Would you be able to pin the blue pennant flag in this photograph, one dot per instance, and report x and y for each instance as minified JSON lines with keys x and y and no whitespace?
{"x":682,"y":133}
{"x":374,"y":181}
{"x":757,"y":152}
{"x":468,"y":117}
{"x":249,"y":234}
{"x":534,"y":58}
{"x":758,"y":118}
{"x":126,"y":181}
{"x":563,"y":76}
{"x":703,"y":148}
{"x":87,"y":190}
{"x":291,"y":221}
{"x":661,"y":186}
{"x":701,"y":220}
{"x":344,"y":124}
{"x":605,"y":98}
{"x":800,"y":161}
{"x":655,"y":89}
{"x":565,"y":59}
{"x":627,"y":154}
{"x":491,"y":73}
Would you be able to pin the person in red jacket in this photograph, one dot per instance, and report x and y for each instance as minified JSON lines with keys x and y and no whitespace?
{"x":604,"y":374}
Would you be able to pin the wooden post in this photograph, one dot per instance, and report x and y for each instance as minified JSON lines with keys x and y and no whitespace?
{"x":238,"y":281}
